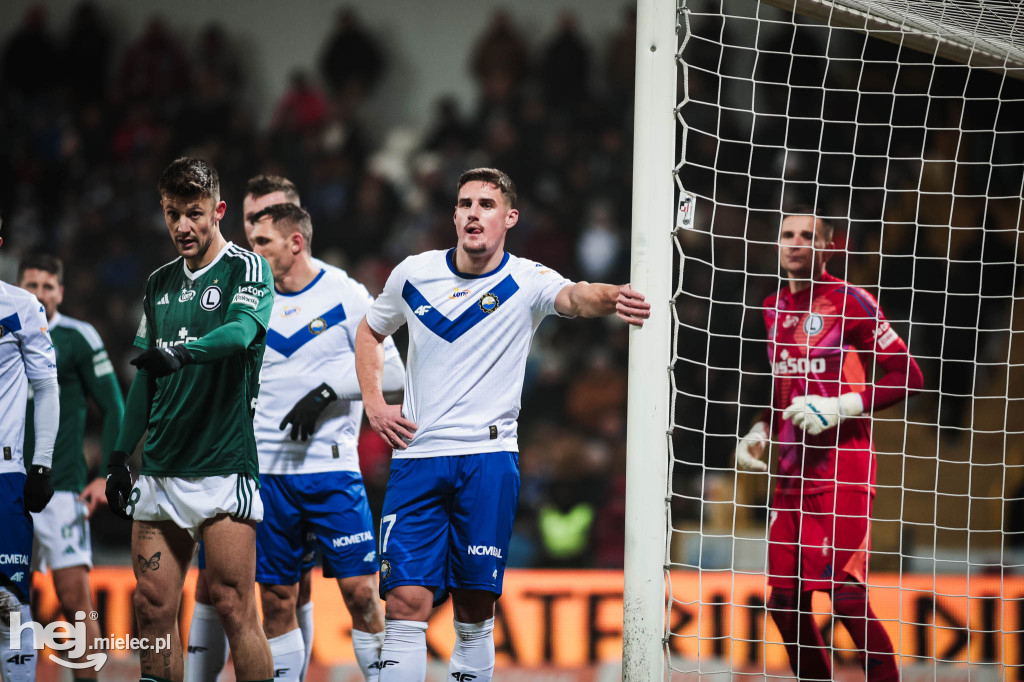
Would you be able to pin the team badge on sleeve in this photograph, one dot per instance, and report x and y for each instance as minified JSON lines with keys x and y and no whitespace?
{"x":488,"y":302}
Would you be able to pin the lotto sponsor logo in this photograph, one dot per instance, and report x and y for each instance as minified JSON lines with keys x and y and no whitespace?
{"x":7,"y":559}
{"x":246,"y":299}
{"x":460,"y":293}
{"x":799,"y":366}
{"x":251,"y":290}
{"x":354,"y":539}
{"x":483,"y":550}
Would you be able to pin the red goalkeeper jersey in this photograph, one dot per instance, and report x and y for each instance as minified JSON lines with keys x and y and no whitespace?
{"x":820,"y":342}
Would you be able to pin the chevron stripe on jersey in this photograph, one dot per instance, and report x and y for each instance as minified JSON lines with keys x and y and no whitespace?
{"x":450,"y":330}
{"x":469,"y":337}
{"x":287,"y":345}
{"x":253,"y":263}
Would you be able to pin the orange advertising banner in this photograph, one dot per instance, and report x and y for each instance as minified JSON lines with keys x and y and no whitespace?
{"x":574,"y":618}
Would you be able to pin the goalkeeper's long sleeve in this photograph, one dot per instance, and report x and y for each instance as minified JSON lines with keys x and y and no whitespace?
{"x":902,"y":379}
{"x":234,"y":336}
{"x":136,"y":413}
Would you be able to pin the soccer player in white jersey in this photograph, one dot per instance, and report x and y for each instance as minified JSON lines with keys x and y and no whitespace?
{"x":306,"y":435}
{"x":26,"y":356}
{"x":454,"y":483}
{"x":84,"y":372}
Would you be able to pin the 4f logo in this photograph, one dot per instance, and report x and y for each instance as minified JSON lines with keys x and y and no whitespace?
{"x":463,"y":677}
{"x":380,"y":665}
{"x":20,"y":659}
{"x":422,"y":310}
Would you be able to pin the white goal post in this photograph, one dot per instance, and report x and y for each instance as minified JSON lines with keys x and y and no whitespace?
{"x":682,"y":116}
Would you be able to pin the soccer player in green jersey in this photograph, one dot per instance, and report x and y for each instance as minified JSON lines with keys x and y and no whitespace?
{"x":203,"y":332}
{"x":84,"y":371}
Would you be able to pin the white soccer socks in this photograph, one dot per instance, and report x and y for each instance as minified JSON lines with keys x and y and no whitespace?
{"x":16,"y":665}
{"x":404,"y":656}
{"x":367,"y":646}
{"x":207,"y":645}
{"x":305,"y":616}
{"x":473,"y":657}
{"x":288,"y":652}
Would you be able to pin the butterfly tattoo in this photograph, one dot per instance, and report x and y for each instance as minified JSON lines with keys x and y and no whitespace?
{"x":150,"y":564}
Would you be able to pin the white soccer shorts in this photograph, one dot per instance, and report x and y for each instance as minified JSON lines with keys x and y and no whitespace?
{"x":190,"y":502}
{"x":62,"y":537}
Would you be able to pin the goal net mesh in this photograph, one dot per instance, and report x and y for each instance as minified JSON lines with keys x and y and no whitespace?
{"x":902,"y":123}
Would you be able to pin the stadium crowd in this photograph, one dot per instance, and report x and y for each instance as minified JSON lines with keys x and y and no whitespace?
{"x":91,"y":124}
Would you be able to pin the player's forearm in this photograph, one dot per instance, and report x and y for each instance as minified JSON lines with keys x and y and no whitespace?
{"x":370,"y":364}
{"x":46,"y":416}
{"x":588,"y":299}
{"x":136,"y":413}
{"x":902,"y":379}
{"x":106,"y":392}
{"x":234,"y":336}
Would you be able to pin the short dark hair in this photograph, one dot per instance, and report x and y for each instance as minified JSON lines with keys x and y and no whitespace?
{"x":44,"y":262}
{"x":262,"y":185}
{"x":295,"y":218}
{"x":189,"y":177}
{"x":807,"y":209}
{"x":498,"y":178}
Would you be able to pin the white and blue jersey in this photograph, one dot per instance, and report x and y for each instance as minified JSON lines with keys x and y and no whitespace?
{"x":452,"y":494}
{"x":311,"y":340}
{"x":26,"y":354}
{"x":312,"y":490}
{"x":469,"y":337}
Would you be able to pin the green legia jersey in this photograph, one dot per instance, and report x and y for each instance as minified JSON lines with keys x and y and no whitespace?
{"x":200,"y":418}
{"x":83,"y":371}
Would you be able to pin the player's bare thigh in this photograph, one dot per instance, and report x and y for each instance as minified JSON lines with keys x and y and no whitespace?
{"x":230,"y":559}
{"x":161,"y":553}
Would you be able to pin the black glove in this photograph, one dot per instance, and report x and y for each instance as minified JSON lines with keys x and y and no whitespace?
{"x":304,"y":415}
{"x":119,"y":484}
{"x":160,"y":362}
{"x":38,"y":489}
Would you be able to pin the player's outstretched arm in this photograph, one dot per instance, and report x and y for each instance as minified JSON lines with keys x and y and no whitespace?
{"x":585,"y":299}
{"x":386,"y":420}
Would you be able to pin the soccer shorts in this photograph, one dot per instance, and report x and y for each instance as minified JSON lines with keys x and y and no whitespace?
{"x":820,"y":540}
{"x":191,"y":502}
{"x":447,"y":522}
{"x":62,"y":538}
{"x":332,"y":506}
{"x":15,"y":536}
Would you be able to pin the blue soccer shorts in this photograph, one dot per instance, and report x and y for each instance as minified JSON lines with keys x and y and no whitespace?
{"x":308,"y":554}
{"x":15,"y":536}
{"x":447,"y":522}
{"x":330,"y":506}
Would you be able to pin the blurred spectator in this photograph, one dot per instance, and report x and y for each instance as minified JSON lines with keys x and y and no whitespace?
{"x":500,"y":62}
{"x":217,"y":60}
{"x":352,"y":63}
{"x":155,"y":68}
{"x":85,"y":62}
{"x":621,"y":62}
{"x":301,"y":109}
{"x":565,"y":66}
{"x":30,"y":64}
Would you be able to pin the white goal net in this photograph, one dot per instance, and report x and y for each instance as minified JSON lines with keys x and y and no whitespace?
{"x":902,"y":123}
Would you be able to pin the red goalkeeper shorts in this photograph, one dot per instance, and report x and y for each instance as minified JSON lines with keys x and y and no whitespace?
{"x":817,"y":541}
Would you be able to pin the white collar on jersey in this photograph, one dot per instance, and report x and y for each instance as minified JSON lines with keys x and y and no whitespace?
{"x":201,"y":271}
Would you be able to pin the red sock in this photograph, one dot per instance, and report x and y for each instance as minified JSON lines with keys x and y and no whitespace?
{"x":850,"y":604}
{"x":800,"y":634}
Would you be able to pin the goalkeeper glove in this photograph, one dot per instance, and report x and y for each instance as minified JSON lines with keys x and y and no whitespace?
{"x":750,"y":448}
{"x":119,"y":484}
{"x":38,"y":488}
{"x":815,"y":413}
{"x":160,"y":362}
{"x":305,"y":413}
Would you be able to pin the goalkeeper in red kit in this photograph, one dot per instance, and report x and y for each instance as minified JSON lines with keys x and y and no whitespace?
{"x":823,"y":333}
